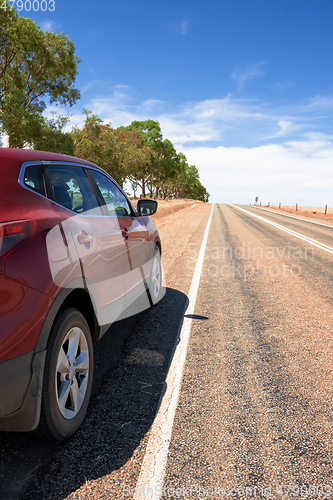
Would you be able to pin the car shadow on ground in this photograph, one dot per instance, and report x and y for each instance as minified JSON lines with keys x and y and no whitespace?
{"x":132,"y":362}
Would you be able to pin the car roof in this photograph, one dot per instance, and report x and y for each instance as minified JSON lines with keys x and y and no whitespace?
{"x":21,"y":155}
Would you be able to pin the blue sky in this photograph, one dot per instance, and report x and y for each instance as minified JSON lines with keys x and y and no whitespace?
{"x":243,"y":87}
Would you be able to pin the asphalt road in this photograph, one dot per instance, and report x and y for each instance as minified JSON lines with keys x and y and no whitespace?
{"x":254,"y":418}
{"x":255,"y":412}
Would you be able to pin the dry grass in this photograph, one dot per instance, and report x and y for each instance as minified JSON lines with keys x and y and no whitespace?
{"x":167,"y":207}
{"x":310,"y":210}
{"x":316,"y":212}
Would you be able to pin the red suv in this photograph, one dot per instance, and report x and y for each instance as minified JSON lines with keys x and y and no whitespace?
{"x":75,"y":256}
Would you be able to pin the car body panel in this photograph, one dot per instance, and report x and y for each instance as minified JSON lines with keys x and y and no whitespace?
{"x":22,"y":313}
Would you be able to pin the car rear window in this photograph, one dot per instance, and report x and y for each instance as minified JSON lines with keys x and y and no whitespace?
{"x":33,"y":179}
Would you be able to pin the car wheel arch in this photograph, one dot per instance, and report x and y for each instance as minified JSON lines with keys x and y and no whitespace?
{"x":71,"y":296}
{"x":157,"y":243}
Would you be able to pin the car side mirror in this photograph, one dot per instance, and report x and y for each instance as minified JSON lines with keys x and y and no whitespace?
{"x":146,"y":207}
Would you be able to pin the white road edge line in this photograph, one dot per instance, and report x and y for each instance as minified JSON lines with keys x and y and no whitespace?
{"x":151,"y":478}
{"x":316,"y":243}
{"x":293,"y":216}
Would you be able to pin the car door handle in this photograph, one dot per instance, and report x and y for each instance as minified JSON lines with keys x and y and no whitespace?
{"x":125,"y":232}
{"x":85,"y":238}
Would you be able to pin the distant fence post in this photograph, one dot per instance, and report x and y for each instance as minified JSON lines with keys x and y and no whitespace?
{"x":325,"y":209}
{"x":280,"y":204}
{"x":296,"y":207}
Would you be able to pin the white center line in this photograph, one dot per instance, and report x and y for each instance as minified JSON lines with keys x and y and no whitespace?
{"x":316,"y":243}
{"x":150,"y":482}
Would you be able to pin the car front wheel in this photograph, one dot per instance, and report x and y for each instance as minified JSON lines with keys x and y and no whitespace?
{"x":67,"y":378}
{"x":155,"y":283}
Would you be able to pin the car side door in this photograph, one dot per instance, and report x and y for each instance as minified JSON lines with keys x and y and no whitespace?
{"x":97,"y":238}
{"x":134,"y":233}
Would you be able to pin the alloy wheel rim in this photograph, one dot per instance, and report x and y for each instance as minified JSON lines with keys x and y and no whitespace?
{"x":156,"y":277}
{"x":72,"y":373}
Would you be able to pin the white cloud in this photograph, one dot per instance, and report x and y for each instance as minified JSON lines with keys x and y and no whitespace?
{"x":184,"y":28}
{"x":214,"y":120}
{"x":242,"y":74}
{"x":181,"y":130}
{"x":180,"y":27}
{"x":152,"y":104}
{"x":229,"y":120}
{"x":317,"y":103}
{"x":286,"y":128}
{"x":286,"y":173}
{"x":47,"y":25}
{"x":282,"y":86}
{"x":310,"y":148}
{"x":88,"y":86}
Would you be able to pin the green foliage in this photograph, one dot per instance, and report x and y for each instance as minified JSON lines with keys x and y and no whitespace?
{"x":136,"y":158}
{"x":34,"y":65}
{"x":147,"y":137}
{"x":52,"y":137}
{"x":192,"y":185}
{"x":98,"y":143}
{"x":150,"y":130}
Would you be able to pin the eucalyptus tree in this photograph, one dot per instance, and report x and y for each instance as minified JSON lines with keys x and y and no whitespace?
{"x":96,"y":141}
{"x":37,"y":68}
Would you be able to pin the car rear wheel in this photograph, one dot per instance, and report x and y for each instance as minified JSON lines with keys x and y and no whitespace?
{"x":67,"y":378}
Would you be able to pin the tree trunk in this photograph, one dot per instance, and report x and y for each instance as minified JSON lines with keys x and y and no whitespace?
{"x":157,"y":190}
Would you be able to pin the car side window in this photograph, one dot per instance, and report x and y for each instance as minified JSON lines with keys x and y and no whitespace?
{"x":33,"y":179}
{"x":114,"y":199}
{"x":73,"y":190}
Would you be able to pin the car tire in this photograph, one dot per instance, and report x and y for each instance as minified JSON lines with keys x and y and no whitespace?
{"x":155,"y":281}
{"x":68,"y":377}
